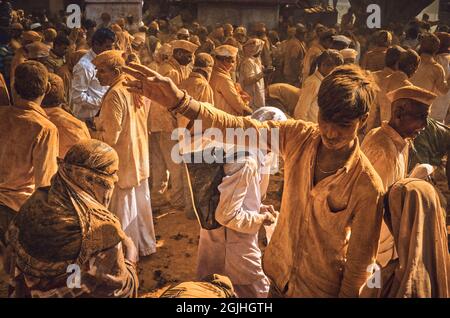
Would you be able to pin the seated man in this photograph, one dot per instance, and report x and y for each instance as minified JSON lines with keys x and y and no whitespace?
{"x":71,"y":130}
{"x":416,"y":220}
{"x":68,"y":224}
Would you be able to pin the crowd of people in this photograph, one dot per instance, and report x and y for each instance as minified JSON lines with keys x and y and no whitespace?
{"x":87,"y":139}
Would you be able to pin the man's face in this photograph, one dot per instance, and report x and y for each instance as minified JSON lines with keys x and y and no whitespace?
{"x":106,"y":75}
{"x":336,"y":136}
{"x":411,"y":120}
{"x":60,"y":50}
{"x":183,"y":37}
{"x":183,"y":57}
{"x":326,"y":67}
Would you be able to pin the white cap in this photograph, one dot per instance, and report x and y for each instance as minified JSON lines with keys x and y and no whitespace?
{"x":35,"y":26}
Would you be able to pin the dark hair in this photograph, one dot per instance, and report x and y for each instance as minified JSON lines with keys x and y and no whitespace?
{"x":31,"y":80}
{"x":412,"y":33}
{"x":393,"y":55}
{"x":429,"y":44}
{"x":408,"y":62}
{"x":102,"y":35}
{"x":347,"y":93}
{"x":89,"y":24}
{"x":330,"y":55}
{"x":61,"y":40}
{"x":55,"y":96}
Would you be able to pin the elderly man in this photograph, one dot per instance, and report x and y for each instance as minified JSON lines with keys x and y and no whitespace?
{"x":329,"y":224}
{"x":122,"y":124}
{"x":387,"y":147}
{"x":86,"y":92}
{"x":227,"y":97}
{"x":71,"y":130}
{"x":28,"y":141}
{"x":162,"y":125}
{"x":307,"y":108}
{"x":251,"y":73}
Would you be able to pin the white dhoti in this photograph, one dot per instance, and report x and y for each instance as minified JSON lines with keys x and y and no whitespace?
{"x":134,"y":210}
{"x":236,"y":255}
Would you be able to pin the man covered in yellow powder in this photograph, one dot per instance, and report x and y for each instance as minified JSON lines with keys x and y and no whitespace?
{"x":20,"y":55}
{"x":162,"y":124}
{"x":331,"y":212}
{"x":28,"y":141}
{"x":374,"y":59}
{"x":122,"y":124}
{"x":71,"y":130}
{"x":387,"y":147}
{"x":226,"y":95}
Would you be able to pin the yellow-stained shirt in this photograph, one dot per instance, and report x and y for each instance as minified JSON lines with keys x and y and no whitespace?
{"x":307,"y":108}
{"x":122,"y":124}
{"x":430,"y":75}
{"x":71,"y":130}
{"x":28,"y":152}
{"x":226,"y":96}
{"x":388,"y":153}
{"x":160,"y":118}
{"x":327,"y":234}
{"x":374,"y":119}
{"x":311,"y":55}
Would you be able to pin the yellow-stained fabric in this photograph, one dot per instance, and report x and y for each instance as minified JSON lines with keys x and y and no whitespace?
{"x":4,"y":93}
{"x":160,"y":118}
{"x":19,"y":58}
{"x":374,"y":119}
{"x":374,"y":60}
{"x":422,"y":269}
{"x":327,"y":234}
{"x":388,"y":152}
{"x":122,"y":124}
{"x":71,"y":130}
{"x":307,"y":108}
{"x":430,"y":75}
{"x":226,"y":96}
{"x":65,"y":71}
{"x":28,"y":152}
{"x":286,"y":94}
{"x":392,"y":82}
{"x":311,"y":55}
{"x":294,"y":53}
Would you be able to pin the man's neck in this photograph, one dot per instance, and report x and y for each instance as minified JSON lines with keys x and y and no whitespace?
{"x":395,"y":127}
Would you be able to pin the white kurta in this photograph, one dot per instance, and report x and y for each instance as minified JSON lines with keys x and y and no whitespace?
{"x":307,"y":108}
{"x":232,"y":250}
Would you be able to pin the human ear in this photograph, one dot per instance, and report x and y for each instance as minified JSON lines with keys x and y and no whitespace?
{"x":48,"y":88}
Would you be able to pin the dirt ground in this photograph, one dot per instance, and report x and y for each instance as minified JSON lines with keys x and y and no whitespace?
{"x":177,"y":240}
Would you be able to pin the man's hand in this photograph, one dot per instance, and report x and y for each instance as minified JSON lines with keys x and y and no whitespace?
{"x":152,"y":85}
{"x":270,"y":214}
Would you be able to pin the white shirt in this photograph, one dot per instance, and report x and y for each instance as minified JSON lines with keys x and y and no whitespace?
{"x":86,"y":91}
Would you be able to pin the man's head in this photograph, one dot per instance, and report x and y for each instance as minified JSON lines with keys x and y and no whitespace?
{"x":29,"y":37}
{"x":38,"y":51}
{"x":49,"y":35}
{"x":349,"y":56}
{"x":16,"y":30}
{"x":204,"y":64}
{"x":106,"y":18}
{"x":31,"y":81}
{"x":425,"y":17}
{"x":225,"y":56}
{"x":429,"y":44}
{"x":326,"y":38}
{"x":300,"y":32}
{"x":240,"y":34}
{"x":183,"y":51}
{"x":130,"y":19}
{"x":344,"y":99}
{"x":183,"y":34}
{"x":382,"y":38}
{"x":55,"y":96}
{"x":228,"y":29}
{"x":219,"y":33}
{"x":103,"y":40}
{"x":409,"y":110}
{"x":253,"y":47}
{"x":328,"y":61}
{"x":409,"y":62}
{"x":393,"y":56}
{"x":412,"y":33}
{"x":60,"y":45}
{"x":108,"y":65}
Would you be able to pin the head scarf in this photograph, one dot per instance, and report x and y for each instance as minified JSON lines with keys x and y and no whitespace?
{"x":418,"y":226}
{"x":68,"y":223}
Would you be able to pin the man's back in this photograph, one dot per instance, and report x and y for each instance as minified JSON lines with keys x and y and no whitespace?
{"x":28,"y":151}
